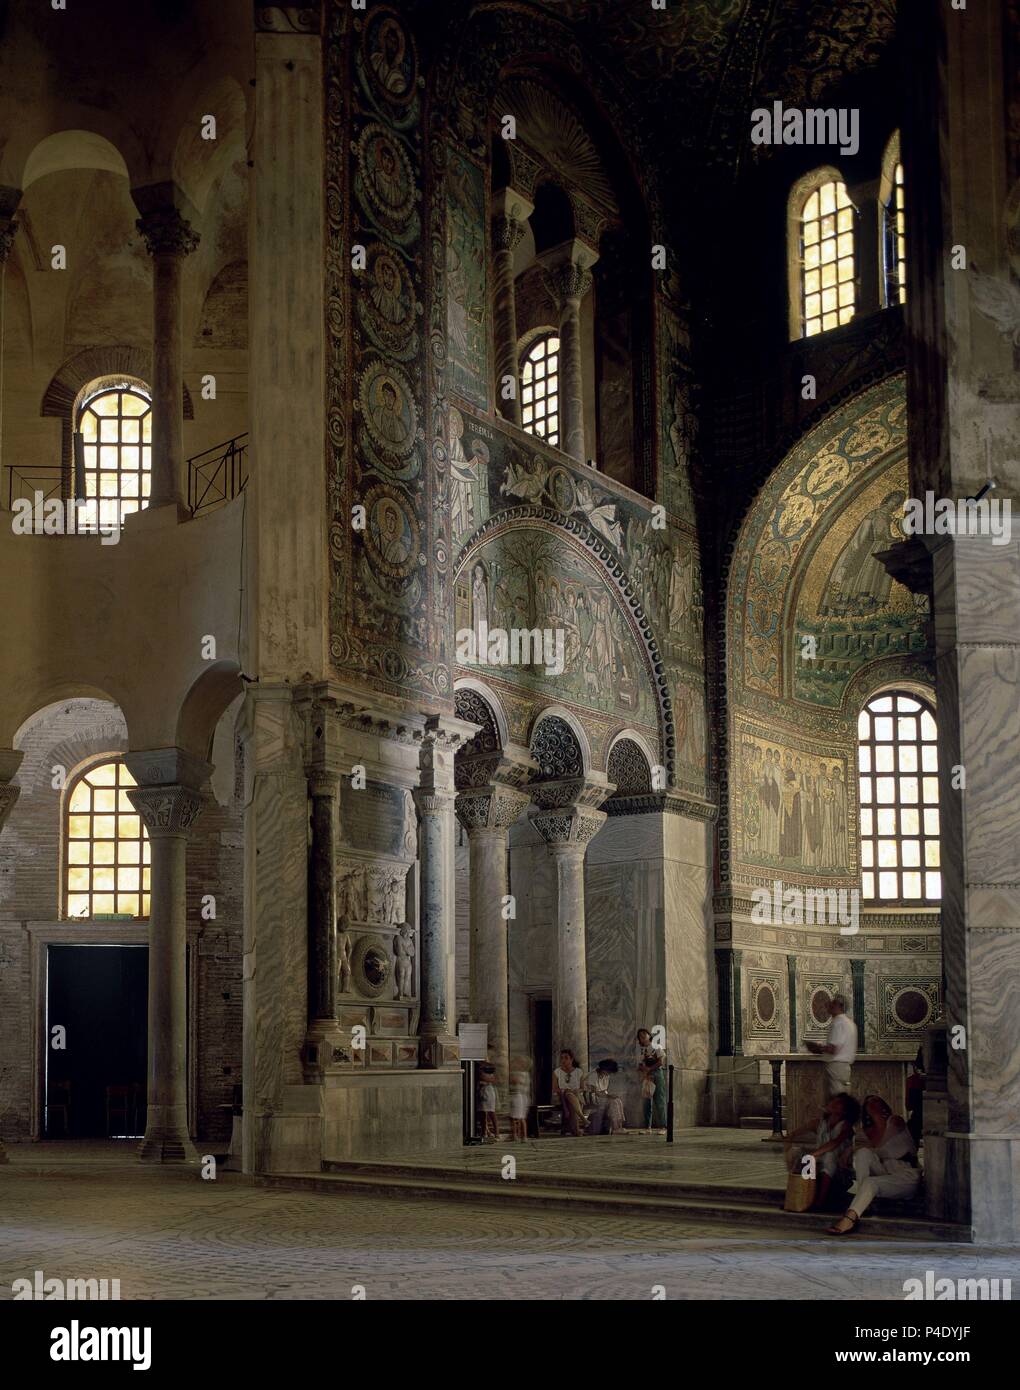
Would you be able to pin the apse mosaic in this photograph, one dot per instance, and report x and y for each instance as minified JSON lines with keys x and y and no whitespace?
{"x":849,"y":608}
{"x":525,"y":578}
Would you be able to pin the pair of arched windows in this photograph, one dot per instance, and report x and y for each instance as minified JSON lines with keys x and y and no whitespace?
{"x":823,"y":224}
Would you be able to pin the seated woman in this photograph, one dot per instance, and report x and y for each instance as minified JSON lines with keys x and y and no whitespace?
{"x":885,"y":1165}
{"x":567,"y":1080}
{"x":830,"y":1144}
{"x":607,"y":1110}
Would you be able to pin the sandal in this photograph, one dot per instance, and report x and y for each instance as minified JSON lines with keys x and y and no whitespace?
{"x":850,"y":1216}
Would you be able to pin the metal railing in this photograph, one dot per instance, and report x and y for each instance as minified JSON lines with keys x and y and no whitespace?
{"x":218,"y":475}
{"x":24,"y":483}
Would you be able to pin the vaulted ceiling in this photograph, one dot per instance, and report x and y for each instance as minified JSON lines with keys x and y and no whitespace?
{"x":703,"y":65}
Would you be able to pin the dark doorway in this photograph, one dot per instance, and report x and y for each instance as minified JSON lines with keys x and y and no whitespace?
{"x":541,"y":1048}
{"x":95,"y":1083}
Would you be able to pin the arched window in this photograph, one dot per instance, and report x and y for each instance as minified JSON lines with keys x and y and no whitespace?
{"x":540,"y":388}
{"x":822,"y":247}
{"x":107,"y":846}
{"x":115,"y":426}
{"x":897,"y":758}
{"x":894,"y":240}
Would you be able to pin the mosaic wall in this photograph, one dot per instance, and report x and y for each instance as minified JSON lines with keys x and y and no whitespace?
{"x":467,"y":288}
{"x":816,"y":623}
{"x":389,"y":589}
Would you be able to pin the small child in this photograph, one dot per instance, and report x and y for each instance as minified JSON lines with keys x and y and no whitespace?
{"x":519,"y":1097}
{"x":487,"y":1101}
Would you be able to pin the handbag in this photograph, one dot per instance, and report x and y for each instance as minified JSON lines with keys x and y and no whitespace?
{"x":647,"y":1088}
{"x":800,"y":1193}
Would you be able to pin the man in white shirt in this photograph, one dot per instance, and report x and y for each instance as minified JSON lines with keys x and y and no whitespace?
{"x":840,"y":1049}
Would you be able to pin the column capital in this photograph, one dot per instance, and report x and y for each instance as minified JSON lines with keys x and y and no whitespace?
{"x":567,"y":270}
{"x":9,"y":794}
{"x":568,"y":831}
{"x":323,"y":781}
{"x":164,"y":222}
{"x":513,"y":205}
{"x":509,"y":767}
{"x":9,"y":200}
{"x":167,"y":810}
{"x":571,"y":793}
{"x":491,"y":809}
{"x":431,"y":802}
{"x":156,"y":767}
{"x":507,"y":234}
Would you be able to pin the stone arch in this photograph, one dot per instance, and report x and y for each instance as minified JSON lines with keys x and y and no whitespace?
{"x":210,"y":694}
{"x":197,"y":162}
{"x":630,"y":762}
{"x":71,"y":150}
{"x":95,"y":362}
{"x":475,"y":702}
{"x":587,"y":541}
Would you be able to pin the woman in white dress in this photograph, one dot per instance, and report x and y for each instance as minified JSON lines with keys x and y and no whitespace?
{"x":884,"y":1166}
{"x":567,"y":1081}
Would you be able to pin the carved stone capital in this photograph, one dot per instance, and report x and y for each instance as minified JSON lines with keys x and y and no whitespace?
{"x":493,"y":808}
{"x":506,"y":768}
{"x":431,"y":802}
{"x":568,"y":831}
{"x":566,"y":793}
{"x":157,"y":767}
{"x":567,"y":282}
{"x":323,"y":782}
{"x":9,"y":794}
{"x":166,"y":233}
{"x":507,"y":234}
{"x":8,"y":231}
{"x":167,"y":810}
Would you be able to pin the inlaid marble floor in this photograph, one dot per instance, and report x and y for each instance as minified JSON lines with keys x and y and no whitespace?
{"x":91,"y":1211}
{"x":727,"y":1157}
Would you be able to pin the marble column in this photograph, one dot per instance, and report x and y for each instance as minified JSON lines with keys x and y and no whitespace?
{"x":487,"y":813}
{"x":324,"y":791}
{"x":511,"y":212}
{"x":568,"y":828}
{"x":567,"y":271}
{"x":169,"y":237}
{"x":9,"y":763}
{"x":437,"y":924}
{"x":169,"y":801}
{"x":868,"y":252}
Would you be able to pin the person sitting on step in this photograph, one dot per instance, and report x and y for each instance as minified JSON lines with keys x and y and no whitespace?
{"x":829,"y":1143}
{"x":885,"y":1165}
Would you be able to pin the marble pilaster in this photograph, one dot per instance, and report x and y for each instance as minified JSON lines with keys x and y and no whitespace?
{"x":169,"y":799}
{"x":10,"y":760}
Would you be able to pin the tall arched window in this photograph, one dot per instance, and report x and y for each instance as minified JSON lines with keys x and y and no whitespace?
{"x":894,"y":240}
{"x":540,"y":388}
{"x":899,"y":799}
{"x":822,"y":247}
{"x":107,"y":846}
{"x":115,"y":425}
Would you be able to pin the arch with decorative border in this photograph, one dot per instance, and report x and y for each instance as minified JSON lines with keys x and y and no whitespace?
{"x":515,"y":518}
{"x":573,"y":723}
{"x":493,"y":701}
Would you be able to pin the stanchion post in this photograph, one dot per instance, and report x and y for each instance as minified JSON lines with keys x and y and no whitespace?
{"x":776,"y":1064}
{"x":669,"y":1106}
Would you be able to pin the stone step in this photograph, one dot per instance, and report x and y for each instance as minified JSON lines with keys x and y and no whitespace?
{"x":756,"y":1122}
{"x":733,"y":1207}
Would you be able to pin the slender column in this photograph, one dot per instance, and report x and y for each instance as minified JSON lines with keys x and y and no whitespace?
{"x":435,"y":841}
{"x":9,"y":762}
{"x":868,"y":256}
{"x":324,"y":788}
{"x":512,"y":211}
{"x":434,"y":798}
{"x":168,"y":809}
{"x":567,"y":832}
{"x":169,"y":237}
{"x":9,"y":199}
{"x":567,"y":270}
{"x":487,"y":814}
